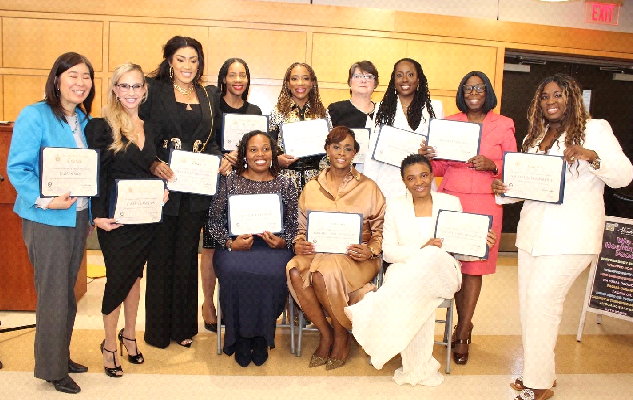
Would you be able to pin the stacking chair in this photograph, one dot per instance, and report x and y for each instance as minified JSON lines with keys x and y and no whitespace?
{"x":448,"y":333}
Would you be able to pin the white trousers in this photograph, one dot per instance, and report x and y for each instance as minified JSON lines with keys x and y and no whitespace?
{"x":543,"y":284}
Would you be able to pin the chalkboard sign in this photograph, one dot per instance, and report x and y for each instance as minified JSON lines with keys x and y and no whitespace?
{"x":610,"y":284}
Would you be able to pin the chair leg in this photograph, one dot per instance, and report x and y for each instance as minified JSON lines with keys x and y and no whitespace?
{"x":300,"y":333}
{"x":218,"y":315}
{"x":448,"y":333}
{"x":291,"y":322}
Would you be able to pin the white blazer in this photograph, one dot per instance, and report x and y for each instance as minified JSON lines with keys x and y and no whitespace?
{"x":402,"y":238}
{"x":576,"y":225}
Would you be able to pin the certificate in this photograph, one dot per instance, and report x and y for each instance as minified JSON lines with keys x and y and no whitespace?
{"x":234,"y":126}
{"x":362,"y":137}
{"x":393,"y":145}
{"x":332,"y":232}
{"x":137,"y":201}
{"x":194,"y":172}
{"x":64,"y":170}
{"x":454,"y":140}
{"x":246,"y":218}
{"x":538,"y":177}
{"x":463,"y":233}
{"x":304,"y":138}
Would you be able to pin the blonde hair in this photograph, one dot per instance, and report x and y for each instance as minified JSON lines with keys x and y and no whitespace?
{"x":114,"y":113}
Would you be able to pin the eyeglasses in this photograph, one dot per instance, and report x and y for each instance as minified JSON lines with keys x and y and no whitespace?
{"x":126,"y":87}
{"x":477,"y":88}
{"x":369,"y":77}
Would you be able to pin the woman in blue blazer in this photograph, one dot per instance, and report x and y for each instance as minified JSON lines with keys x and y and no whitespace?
{"x":54,"y":229}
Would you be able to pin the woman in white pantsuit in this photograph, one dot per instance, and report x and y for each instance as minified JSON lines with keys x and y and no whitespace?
{"x":400,"y":316}
{"x":558,"y":241}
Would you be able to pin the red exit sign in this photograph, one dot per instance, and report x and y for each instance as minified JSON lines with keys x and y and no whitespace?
{"x":602,"y":13}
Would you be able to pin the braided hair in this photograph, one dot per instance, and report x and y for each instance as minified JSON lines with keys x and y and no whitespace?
{"x":284,"y":102}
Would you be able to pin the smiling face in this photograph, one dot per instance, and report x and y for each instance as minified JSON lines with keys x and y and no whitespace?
{"x":300,"y":84}
{"x":361,"y":83}
{"x":342,"y":153}
{"x":417,"y":178}
{"x":553,"y":103}
{"x":236,"y":79}
{"x":259,"y":153}
{"x":406,"y":79}
{"x":74,"y":85}
{"x":185,"y":65}
{"x":130,"y":89}
{"x":475,"y":100}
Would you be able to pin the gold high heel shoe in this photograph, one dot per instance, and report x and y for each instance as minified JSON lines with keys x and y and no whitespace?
{"x":317,"y":361}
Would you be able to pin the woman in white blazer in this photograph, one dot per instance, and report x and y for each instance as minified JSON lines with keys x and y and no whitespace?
{"x":400,"y":316}
{"x":558,"y":241}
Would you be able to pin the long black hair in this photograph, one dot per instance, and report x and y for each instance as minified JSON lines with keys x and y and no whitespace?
{"x":52,"y":95}
{"x":224,"y":70}
{"x":421,"y":99}
{"x":169,"y":49}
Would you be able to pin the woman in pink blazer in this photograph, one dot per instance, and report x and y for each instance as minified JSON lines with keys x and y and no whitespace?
{"x":470,"y":181}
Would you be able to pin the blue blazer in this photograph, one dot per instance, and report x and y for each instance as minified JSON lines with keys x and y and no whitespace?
{"x":38,"y":127}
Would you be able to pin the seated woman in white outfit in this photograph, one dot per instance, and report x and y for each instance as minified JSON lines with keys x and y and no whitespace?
{"x":400,"y":316}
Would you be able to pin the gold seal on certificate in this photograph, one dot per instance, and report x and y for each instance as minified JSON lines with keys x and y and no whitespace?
{"x":64,"y":170}
{"x":194,"y":172}
{"x":304,"y":138}
{"x":362,"y":137}
{"x":246,"y":218}
{"x":454,"y":140}
{"x":463,"y":233}
{"x":332,"y":232}
{"x":538,"y":177}
{"x":138,"y":201}
{"x":234,"y":126}
{"x":393,"y":145}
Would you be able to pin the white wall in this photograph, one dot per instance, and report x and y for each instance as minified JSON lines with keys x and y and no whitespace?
{"x":571,"y":14}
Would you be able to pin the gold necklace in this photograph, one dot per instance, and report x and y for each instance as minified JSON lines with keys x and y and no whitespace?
{"x":183,"y":91}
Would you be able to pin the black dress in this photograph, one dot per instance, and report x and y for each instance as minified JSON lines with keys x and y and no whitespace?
{"x":344,"y":113}
{"x":247,"y":108}
{"x":171,"y":295}
{"x":253,"y":282}
{"x":125,"y":249}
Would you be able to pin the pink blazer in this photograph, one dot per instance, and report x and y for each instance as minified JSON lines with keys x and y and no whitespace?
{"x":496,"y":138}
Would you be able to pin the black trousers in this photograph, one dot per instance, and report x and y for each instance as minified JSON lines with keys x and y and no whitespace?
{"x":171,"y":295}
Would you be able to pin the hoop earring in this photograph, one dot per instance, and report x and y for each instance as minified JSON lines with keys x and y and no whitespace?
{"x":171,"y":72}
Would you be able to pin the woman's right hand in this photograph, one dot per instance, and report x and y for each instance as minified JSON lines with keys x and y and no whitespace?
{"x":285,"y":160}
{"x":107,"y":224}
{"x":427,"y":151}
{"x":161,"y":170}
{"x":304,"y":248}
{"x":242,"y":242}
{"x":62,"y":202}
{"x":498,"y":187}
{"x":434,"y":242}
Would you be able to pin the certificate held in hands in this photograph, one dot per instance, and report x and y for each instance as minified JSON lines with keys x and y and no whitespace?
{"x":234,"y":126}
{"x":304,"y":138}
{"x":64,"y":170}
{"x":194,"y":172}
{"x":332,"y":232}
{"x":538,"y":177}
{"x":393,"y":145}
{"x":255,"y":213}
{"x":454,"y":140}
{"x":137,"y":201}
{"x":463,"y":233}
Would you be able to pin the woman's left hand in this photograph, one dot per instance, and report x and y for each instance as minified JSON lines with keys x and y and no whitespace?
{"x":225,"y":167}
{"x":273,"y":241}
{"x":491,"y":238}
{"x":577,"y":152}
{"x":359,"y":252}
{"x":482,"y":163}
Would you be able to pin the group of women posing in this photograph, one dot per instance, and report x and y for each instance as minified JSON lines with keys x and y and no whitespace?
{"x":147,"y":116}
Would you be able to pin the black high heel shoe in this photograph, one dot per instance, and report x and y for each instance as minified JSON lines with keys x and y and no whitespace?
{"x":134,"y":359}
{"x":111,"y":372}
{"x":462,"y":358}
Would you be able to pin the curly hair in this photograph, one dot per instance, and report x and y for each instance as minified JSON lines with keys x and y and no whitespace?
{"x":284,"y":102}
{"x":240,"y":167}
{"x":114,"y":113}
{"x":224,"y":70}
{"x":421,"y":99}
{"x":169,"y":49}
{"x":573,"y":120}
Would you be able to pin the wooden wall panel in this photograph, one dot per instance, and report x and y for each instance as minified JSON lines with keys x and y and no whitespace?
{"x":143,"y":43}
{"x":333,"y":54}
{"x":445,"y":64}
{"x":22,"y":90}
{"x":268,"y":52}
{"x":36,"y":43}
